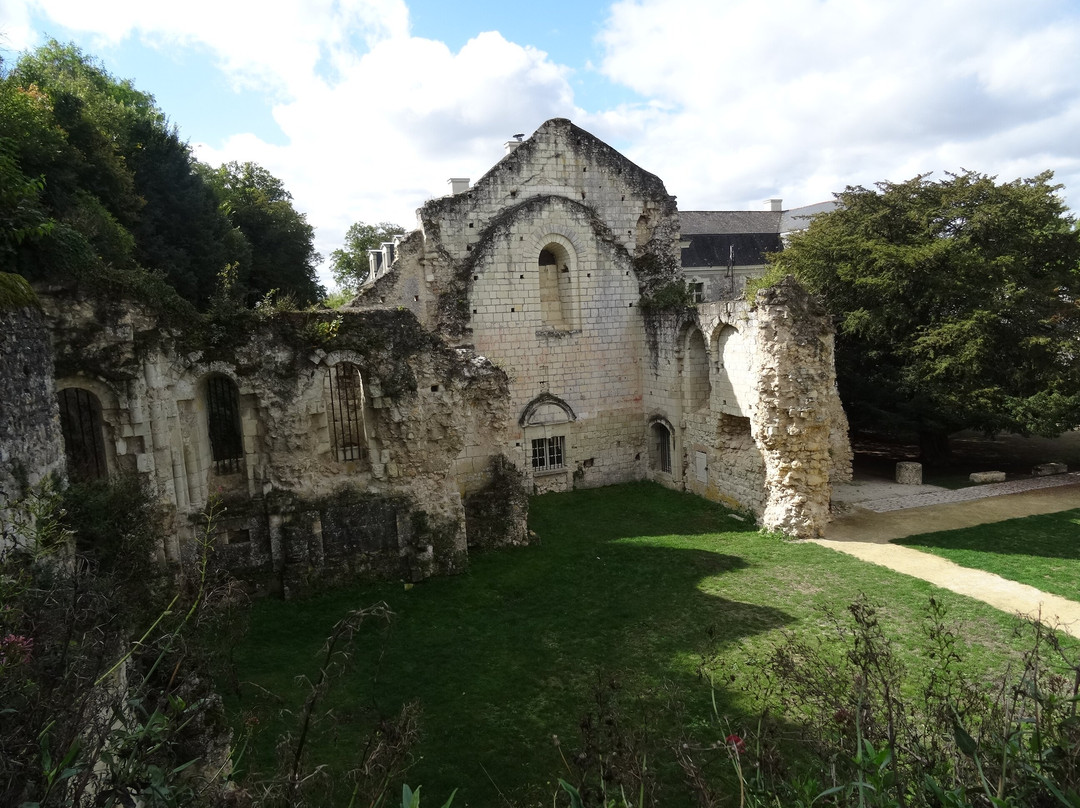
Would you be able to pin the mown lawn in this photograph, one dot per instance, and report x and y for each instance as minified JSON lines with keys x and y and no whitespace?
{"x":1041,"y":551}
{"x":633,"y":583}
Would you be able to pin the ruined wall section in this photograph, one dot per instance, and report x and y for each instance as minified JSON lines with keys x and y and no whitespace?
{"x":31,"y":447}
{"x":699,"y":386}
{"x":794,"y":422}
{"x":298,"y":505}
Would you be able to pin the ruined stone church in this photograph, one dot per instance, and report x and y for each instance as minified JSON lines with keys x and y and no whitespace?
{"x":533,"y":334}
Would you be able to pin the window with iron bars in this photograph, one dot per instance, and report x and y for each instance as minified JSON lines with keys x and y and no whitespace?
{"x":347,"y":412}
{"x":549,"y":454}
{"x":223,"y":419}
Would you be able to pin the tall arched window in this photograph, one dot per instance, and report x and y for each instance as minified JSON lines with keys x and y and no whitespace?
{"x":223,"y":424}
{"x":348,"y":431}
{"x":84,"y":440}
{"x":696,"y":385}
{"x":660,"y":450}
{"x":558,"y":306}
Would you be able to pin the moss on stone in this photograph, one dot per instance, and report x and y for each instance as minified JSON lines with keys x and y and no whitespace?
{"x":15,"y":293}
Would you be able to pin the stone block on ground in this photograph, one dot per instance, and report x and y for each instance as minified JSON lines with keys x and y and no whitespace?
{"x":1046,"y":469}
{"x":987,"y":477}
{"x":909,"y":473}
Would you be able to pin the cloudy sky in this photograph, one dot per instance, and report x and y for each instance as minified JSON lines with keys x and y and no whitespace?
{"x":364,"y":108}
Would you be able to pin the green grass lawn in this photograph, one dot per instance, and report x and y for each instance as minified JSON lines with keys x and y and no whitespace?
{"x":1041,"y":551}
{"x":635,"y":582}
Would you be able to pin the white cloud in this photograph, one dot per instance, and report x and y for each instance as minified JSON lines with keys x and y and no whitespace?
{"x":397,"y":122}
{"x":740,"y":100}
{"x":801,"y":97}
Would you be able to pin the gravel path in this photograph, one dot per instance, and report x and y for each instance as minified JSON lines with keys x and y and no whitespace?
{"x":866,"y":531}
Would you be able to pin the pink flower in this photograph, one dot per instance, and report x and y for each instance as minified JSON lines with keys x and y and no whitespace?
{"x":15,"y":648}
{"x":736,"y":743}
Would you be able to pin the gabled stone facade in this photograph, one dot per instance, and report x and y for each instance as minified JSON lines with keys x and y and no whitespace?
{"x":561,"y":266}
{"x":533,"y":334}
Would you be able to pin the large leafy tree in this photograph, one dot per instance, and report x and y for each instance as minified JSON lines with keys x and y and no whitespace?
{"x":282,"y":255}
{"x":955,"y":302}
{"x":96,"y":180}
{"x":116,"y":186}
{"x":349,"y":264}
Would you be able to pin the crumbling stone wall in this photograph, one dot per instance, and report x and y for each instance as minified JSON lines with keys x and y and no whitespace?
{"x":796,"y":421}
{"x":30,"y":442}
{"x":535,"y":327}
{"x":773,"y":436}
{"x":293,"y":508}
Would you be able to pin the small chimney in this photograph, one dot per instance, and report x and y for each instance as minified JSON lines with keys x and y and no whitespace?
{"x":458,"y":184}
{"x":776,"y":205}
{"x":510,"y":145}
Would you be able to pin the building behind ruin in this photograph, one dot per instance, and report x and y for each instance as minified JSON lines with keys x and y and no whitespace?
{"x":534,"y":334}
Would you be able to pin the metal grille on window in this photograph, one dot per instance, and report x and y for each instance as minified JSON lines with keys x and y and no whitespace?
{"x":84,"y":444}
{"x":223,"y":416}
{"x":547,"y":453}
{"x":347,"y":412}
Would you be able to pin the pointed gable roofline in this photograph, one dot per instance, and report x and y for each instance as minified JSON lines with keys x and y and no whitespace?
{"x":511,"y":170}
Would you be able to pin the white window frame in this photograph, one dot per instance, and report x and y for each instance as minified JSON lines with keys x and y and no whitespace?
{"x":548,"y":453}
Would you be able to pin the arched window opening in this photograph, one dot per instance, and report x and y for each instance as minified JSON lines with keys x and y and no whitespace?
{"x":733,"y":370}
{"x":546,"y":420}
{"x":348,"y":432}
{"x":556,"y":287}
{"x":696,"y":384}
{"x":84,"y":441}
{"x":223,"y":421}
{"x":661,"y":447}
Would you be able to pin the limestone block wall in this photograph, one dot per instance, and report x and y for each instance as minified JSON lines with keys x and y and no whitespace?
{"x":795,"y":420}
{"x":541,"y":267}
{"x":771,"y":435}
{"x":346,"y":430}
{"x":30,"y":440}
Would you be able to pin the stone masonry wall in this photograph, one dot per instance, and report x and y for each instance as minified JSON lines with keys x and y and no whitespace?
{"x":294,"y":509}
{"x":474,"y":273}
{"x":30,"y":441}
{"x":793,"y":422}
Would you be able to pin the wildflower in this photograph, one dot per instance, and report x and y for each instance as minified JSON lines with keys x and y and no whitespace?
{"x":737,"y":743}
{"x":15,"y":648}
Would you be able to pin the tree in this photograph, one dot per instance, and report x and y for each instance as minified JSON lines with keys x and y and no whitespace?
{"x":349,"y":264}
{"x":283,"y":256}
{"x":115,"y":184}
{"x":955,"y":303}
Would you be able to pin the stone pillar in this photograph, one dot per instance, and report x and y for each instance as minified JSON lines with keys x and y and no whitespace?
{"x":909,"y":473}
{"x":796,"y":393}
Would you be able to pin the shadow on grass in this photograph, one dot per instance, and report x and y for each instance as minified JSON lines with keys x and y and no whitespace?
{"x":505,"y":657}
{"x":1052,"y":535}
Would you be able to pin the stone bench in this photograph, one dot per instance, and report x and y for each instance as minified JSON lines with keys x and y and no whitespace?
{"x":1046,"y":469}
{"x":987,"y":477}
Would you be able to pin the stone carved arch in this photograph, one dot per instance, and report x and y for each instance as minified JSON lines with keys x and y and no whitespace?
{"x":661,"y":444}
{"x":88,"y":417}
{"x":546,"y":409}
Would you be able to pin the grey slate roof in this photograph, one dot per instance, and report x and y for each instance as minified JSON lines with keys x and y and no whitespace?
{"x":714,"y":249}
{"x":698,"y":222}
{"x":710,"y":235}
